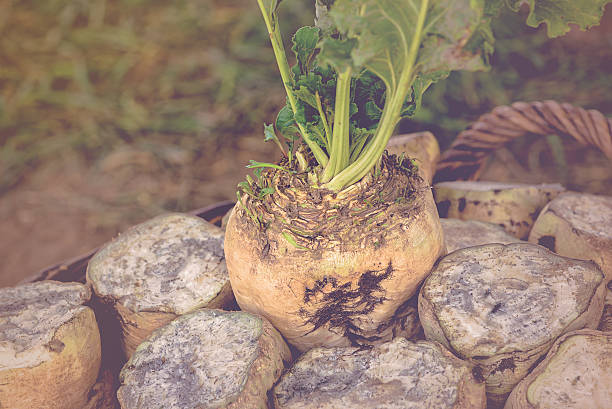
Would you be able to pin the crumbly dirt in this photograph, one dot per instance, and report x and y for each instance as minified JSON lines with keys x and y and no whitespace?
{"x":317,"y":218}
{"x":338,"y":306}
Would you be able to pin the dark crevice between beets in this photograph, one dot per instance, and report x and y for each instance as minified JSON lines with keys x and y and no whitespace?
{"x":400,"y":317}
{"x":443,"y":208}
{"x":504,"y":364}
{"x":536,"y":363}
{"x":477,"y":373}
{"x":462,"y":204}
{"x":337,"y":306}
{"x":548,"y":242}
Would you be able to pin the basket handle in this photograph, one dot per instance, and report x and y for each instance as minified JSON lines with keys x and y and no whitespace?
{"x":465,"y":158}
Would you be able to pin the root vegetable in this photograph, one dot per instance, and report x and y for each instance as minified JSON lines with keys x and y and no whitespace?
{"x":396,"y":374}
{"x":330,"y":270}
{"x":574,"y":375}
{"x":49,"y":346}
{"x":501,"y":307}
{"x":513,"y":206}
{"x":209,"y":358}
{"x":158,"y":270}
{"x":459,"y":234}
{"x":577,"y":225}
{"x":422,"y":147}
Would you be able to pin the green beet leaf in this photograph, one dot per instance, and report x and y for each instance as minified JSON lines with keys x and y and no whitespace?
{"x":254,"y":164}
{"x":322,"y":19}
{"x":285,"y":123}
{"x":400,"y":41}
{"x":558,"y":14}
{"x":384,"y":30}
{"x":307,"y":86}
{"x":269,"y":134}
{"x":337,"y":53}
{"x":305,"y":42}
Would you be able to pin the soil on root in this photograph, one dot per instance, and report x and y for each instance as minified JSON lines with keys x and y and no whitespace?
{"x":316,"y":219}
{"x":339,"y":306}
{"x":401,"y":319}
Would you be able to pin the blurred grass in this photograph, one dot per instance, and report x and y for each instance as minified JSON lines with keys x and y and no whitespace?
{"x":87,"y":75}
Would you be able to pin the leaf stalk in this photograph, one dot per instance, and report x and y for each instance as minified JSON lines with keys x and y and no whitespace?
{"x":340,"y":143}
{"x":285,"y":72}
{"x":390,"y":116}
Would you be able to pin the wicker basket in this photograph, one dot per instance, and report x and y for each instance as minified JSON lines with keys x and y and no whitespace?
{"x":466,"y":157}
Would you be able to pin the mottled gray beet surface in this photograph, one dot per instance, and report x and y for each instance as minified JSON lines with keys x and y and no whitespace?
{"x":172,"y":263}
{"x":589,"y":213}
{"x":199,"y":360}
{"x":460,"y":234}
{"x":29,"y":316}
{"x":396,"y":374}
{"x":576,"y":374}
{"x":496,"y":298}
{"x":577,"y":225}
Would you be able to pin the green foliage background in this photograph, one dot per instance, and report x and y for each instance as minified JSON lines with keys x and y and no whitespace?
{"x":526,"y":66}
{"x":86,"y":75}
